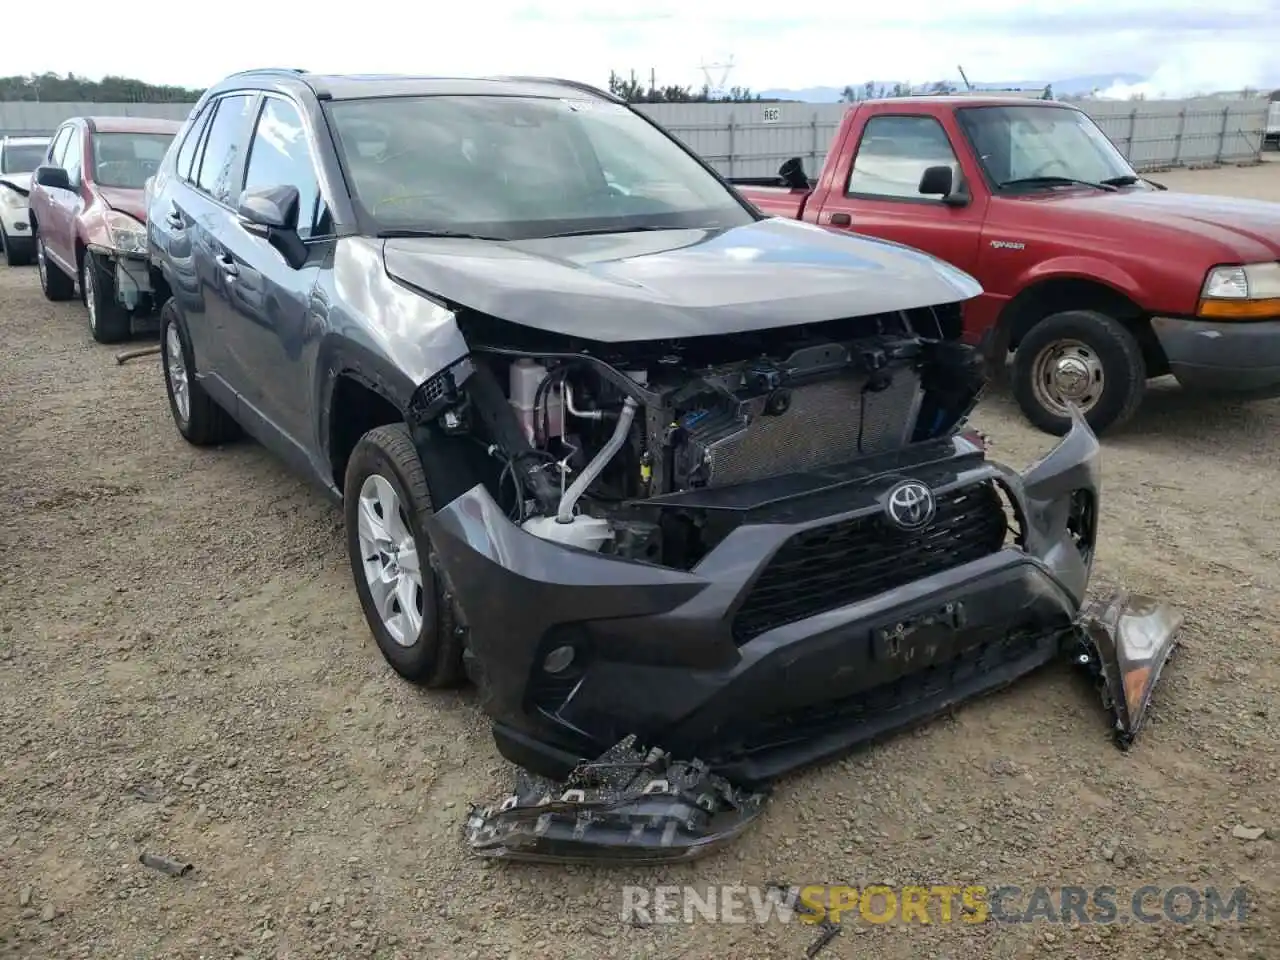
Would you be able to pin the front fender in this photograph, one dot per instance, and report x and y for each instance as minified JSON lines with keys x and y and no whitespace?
{"x":1093,"y":269}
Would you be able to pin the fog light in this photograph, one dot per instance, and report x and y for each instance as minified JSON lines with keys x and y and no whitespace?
{"x":558,"y":660}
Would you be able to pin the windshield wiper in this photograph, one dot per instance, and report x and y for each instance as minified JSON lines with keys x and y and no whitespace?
{"x":407,"y":233}
{"x":1126,"y":180}
{"x":1056,"y":180}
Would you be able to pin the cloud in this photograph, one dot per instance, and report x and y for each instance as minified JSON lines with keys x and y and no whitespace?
{"x":826,"y":42}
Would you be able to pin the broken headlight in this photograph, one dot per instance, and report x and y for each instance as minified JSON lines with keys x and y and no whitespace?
{"x":127,"y":234}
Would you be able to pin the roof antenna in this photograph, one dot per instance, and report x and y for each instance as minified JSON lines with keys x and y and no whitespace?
{"x":967,"y":84}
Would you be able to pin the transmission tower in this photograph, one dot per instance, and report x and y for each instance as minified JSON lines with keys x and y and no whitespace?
{"x":717,"y":75}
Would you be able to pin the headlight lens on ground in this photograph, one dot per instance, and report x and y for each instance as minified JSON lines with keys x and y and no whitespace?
{"x":127,"y":234}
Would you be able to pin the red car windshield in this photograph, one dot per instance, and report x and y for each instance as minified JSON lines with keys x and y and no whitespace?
{"x":127,"y":159}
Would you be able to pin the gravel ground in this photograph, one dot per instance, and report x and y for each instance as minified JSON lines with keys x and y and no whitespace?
{"x":184,"y":670}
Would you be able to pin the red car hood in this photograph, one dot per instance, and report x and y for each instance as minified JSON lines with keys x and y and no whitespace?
{"x":125,"y":200}
{"x":1240,"y":229}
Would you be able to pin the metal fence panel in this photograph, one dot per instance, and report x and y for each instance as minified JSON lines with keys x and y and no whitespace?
{"x":752,"y":139}
{"x":32,"y":118}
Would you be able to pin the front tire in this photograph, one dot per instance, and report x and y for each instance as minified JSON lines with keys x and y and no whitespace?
{"x":17,"y":250}
{"x":1081,"y":356}
{"x":109,"y":321}
{"x":197,"y":415}
{"x":387,"y":505}
{"x":55,"y":284}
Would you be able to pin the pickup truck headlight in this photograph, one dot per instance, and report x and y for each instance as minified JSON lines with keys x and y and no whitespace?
{"x":1248,"y":292}
{"x":127,"y":234}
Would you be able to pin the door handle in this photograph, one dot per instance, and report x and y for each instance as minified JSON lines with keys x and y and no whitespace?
{"x":228,"y":265}
{"x":840,"y":220}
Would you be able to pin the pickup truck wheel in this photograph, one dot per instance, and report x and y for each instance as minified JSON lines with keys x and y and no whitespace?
{"x":197,"y":415}
{"x":108,"y":321}
{"x":1086,"y":358}
{"x":55,"y":284}
{"x":387,"y":505}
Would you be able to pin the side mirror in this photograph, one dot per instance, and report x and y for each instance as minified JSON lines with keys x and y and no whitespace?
{"x":55,"y":178}
{"x":940,"y":182}
{"x":793,"y":175}
{"x":272,"y":214}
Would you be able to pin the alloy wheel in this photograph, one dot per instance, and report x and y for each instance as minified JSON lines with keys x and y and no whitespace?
{"x":87,"y":284}
{"x":389,"y":557}
{"x":175,"y":362}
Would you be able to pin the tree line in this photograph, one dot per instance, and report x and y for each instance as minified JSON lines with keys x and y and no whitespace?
{"x":56,"y":88}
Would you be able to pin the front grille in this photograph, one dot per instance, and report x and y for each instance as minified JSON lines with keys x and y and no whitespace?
{"x":833,"y":421}
{"x":841,"y":563}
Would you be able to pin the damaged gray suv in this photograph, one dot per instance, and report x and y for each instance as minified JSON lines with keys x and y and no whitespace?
{"x":685,"y":490}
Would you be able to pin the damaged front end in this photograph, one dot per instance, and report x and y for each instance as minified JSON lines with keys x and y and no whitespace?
{"x":682,"y":569}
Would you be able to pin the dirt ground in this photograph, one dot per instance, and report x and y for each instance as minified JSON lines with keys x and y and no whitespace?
{"x":184,"y":670}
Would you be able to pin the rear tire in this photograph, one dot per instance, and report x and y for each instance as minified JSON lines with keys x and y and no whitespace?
{"x":55,"y":284}
{"x":198,"y":417}
{"x":411,"y":620}
{"x":109,"y":321}
{"x":1084,"y":356}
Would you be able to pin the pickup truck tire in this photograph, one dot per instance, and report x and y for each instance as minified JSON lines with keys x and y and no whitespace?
{"x":387,"y":504}
{"x":198,"y":417}
{"x":109,"y":321}
{"x":55,"y":284}
{"x":1084,"y":356}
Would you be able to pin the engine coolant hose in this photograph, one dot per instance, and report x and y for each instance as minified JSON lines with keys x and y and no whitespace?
{"x":598,"y":463}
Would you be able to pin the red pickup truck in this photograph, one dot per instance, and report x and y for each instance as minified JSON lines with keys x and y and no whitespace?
{"x":1093,"y":276}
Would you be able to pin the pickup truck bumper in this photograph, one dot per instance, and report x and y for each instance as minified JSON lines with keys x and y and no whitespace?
{"x":1237,"y":357}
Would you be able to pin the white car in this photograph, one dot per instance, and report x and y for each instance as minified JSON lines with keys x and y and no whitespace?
{"x":19,"y":156}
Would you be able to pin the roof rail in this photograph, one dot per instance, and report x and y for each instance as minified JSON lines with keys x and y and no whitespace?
{"x":295,"y":71}
{"x":574,"y":84}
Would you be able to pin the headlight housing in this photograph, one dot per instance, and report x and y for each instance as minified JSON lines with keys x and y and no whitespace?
{"x":1247,"y":292}
{"x":127,"y":234}
{"x":11,"y":199}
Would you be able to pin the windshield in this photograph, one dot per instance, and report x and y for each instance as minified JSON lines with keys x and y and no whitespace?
{"x":1019,"y":142}
{"x":127,"y":159}
{"x":521,"y":167}
{"x":22,"y":157}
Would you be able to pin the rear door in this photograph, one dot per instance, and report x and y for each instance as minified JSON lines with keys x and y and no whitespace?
{"x":205,"y":207}
{"x":880,"y":193}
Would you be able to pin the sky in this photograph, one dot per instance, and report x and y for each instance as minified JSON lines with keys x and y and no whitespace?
{"x":1181,"y":46}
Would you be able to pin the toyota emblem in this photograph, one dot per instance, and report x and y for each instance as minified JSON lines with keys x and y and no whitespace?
{"x":910,"y":505}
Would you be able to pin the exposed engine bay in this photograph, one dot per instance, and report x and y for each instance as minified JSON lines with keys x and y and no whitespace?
{"x":594,"y":438}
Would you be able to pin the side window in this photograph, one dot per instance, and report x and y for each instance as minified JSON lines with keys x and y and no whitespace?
{"x":58,"y":148}
{"x":894,"y":152}
{"x":279,"y":154}
{"x":187,"y":152}
{"x":223,"y":145}
{"x":73,"y":159}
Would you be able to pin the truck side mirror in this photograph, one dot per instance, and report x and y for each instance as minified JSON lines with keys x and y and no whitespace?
{"x":940,"y":182}
{"x":792,"y":174}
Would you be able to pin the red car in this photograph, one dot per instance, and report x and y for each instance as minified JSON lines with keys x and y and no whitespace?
{"x":89,"y":219}
{"x":1093,"y":276}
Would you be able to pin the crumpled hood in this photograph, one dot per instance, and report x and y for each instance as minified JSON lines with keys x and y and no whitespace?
{"x":678,"y":283}
{"x":1241,"y":229}
{"x":20,"y":181}
{"x":125,"y":200}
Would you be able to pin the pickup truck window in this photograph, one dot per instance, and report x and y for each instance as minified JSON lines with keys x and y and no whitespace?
{"x":521,"y":167}
{"x":894,"y":152}
{"x":1020,"y":142}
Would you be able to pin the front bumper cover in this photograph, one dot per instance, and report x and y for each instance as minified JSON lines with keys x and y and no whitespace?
{"x":662,"y":667}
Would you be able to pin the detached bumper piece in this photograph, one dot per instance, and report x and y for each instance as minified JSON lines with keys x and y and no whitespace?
{"x":1127,"y":640}
{"x":627,"y":806}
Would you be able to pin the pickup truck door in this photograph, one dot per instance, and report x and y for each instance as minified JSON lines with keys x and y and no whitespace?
{"x":876,"y":190}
